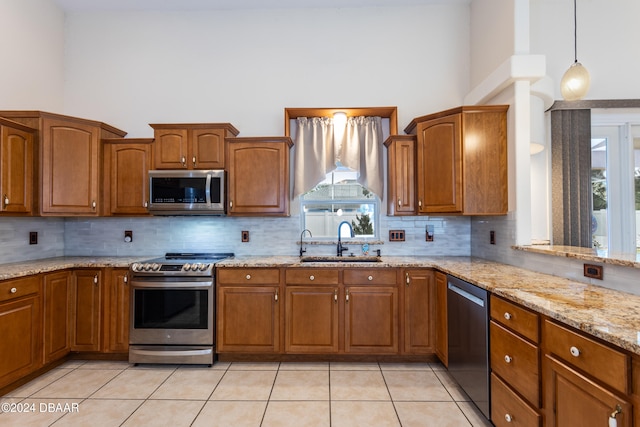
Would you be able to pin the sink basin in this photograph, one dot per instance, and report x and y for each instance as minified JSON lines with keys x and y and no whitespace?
{"x":340,"y":259}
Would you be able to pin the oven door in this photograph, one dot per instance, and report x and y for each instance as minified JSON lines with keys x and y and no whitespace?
{"x":172,"y":311}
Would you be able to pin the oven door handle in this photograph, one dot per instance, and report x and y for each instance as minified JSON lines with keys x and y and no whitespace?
{"x":169,"y":285}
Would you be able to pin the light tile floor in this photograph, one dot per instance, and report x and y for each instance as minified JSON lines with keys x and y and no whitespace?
{"x":97,"y":393}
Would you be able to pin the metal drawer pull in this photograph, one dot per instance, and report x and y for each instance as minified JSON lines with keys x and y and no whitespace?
{"x":276,"y":296}
{"x":370,"y":278}
{"x":613,"y":421}
{"x":507,"y":315}
{"x":312,"y":277}
{"x":13,"y":290}
{"x":508,"y":358}
{"x":575,"y":352}
{"x":335,"y":296}
{"x":508,"y":418}
{"x":248,"y":277}
{"x":95,"y":279}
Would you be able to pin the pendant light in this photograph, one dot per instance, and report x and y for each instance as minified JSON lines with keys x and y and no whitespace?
{"x":575,"y":82}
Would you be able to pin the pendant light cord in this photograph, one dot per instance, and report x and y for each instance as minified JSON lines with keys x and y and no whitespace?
{"x":575,"y":32}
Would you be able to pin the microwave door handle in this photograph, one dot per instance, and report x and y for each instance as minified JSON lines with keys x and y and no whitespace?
{"x":207,"y":191}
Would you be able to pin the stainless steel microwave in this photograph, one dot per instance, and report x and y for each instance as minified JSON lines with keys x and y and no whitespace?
{"x":186,"y":192}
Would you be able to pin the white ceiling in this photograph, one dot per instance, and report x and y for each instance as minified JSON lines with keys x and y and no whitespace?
{"x":93,"y":5}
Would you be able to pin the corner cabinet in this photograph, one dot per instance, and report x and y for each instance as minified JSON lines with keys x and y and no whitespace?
{"x":258,"y":176}
{"x":126,"y":175}
{"x":401,"y":153}
{"x":16,"y":168}
{"x":191,"y":145}
{"x":461,"y":161}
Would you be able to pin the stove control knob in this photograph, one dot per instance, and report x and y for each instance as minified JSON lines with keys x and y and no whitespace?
{"x":135,"y":266}
{"x":155,"y":266}
{"x":147,"y":266}
{"x":187,"y":267}
{"x":195,"y":267}
{"x":203,"y":267}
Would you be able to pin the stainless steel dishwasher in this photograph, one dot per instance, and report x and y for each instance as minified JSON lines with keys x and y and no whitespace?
{"x":468,"y":325}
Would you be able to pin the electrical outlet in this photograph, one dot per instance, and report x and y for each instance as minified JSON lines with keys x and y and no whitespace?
{"x":396,"y":235}
{"x":429,"y":233}
{"x":128,"y":236}
{"x":33,"y":237}
{"x":245,"y":236}
{"x":593,"y":271}
{"x":492,"y":237}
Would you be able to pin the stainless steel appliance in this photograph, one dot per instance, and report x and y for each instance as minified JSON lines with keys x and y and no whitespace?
{"x":468,"y":325}
{"x":173,"y":309}
{"x":186,"y":192}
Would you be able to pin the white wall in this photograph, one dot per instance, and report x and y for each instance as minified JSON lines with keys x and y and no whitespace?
{"x":32,"y":45}
{"x":244,"y":67}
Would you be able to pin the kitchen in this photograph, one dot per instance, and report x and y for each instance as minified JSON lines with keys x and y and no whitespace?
{"x":135,"y":88}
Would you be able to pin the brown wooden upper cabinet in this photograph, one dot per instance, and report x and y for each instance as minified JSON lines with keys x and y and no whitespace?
{"x":461,"y":161}
{"x":401,"y":151}
{"x":126,"y":175}
{"x":191,"y":146}
{"x":16,"y":168}
{"x":258,"y":171}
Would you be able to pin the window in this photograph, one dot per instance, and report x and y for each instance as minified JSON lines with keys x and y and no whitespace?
{"x":340,"y":198}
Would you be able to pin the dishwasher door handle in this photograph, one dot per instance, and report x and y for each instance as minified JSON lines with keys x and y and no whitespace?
{"x":466,"y":295}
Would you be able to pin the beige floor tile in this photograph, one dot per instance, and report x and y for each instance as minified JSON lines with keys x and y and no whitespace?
{"x":221,"y":365}
{"x":437,"y":366}
{"x":415,"y":386}
{"x":348,"y":366}
{"x":71,"y":364}
{"x":301,"y":385}
{"x":474,"y":415}
{"x":38,"y":413}
{"x":77,"y":384}
{"x":304,"y":366}
{"x":169,"y":413}
{"x":133,"y":384}
{"x":297,"y":414}
{"x":350,"y":414}
{"x":358,"y":385}
{"x":194,"y":384}
{"x":452,"y":386}
{"x":99,"y":413}
{"x":231,"y":413}
{"x":105,"y":364}
{"x":254,"y":366}
{"x":38,"y":383}
{"x":245,"y":385}
{"x":429,"y":414}
{"x":405,"y":367}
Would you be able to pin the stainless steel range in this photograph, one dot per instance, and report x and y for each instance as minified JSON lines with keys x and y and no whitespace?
{"x":173,"y":309}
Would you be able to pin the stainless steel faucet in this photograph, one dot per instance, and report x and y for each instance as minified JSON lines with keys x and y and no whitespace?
{"x":302,"y":235}
{"x":340,"y":247}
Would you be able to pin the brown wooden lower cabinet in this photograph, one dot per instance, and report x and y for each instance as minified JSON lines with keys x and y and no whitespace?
{"x":86,"y":310}
{"x":419,"y":312}
{"x":57,"y":315}
{"x":440,"y":314}
{"x":311,"y":319}
{"x":371,"y":319}
{"x":116,"y":316}
{"x":508,"y":409}
{"x":20,"y":328}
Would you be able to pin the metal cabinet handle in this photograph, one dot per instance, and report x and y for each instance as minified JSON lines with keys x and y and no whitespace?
{"x":335,"y":296}
{"x":95,"y":279}
{"x":370,"y":278}
{"x":507,"y":315}
{"x":93,"y":204}
{"x":183,"y":160}
{"x":125,"y":279}
{"x":508,"y":358}
{"x":347,"y":296}
{"x":194,"y":161}
{"x":248,"y":277}
{"x":399,"y":203}
{"x":575,"y":351}
{"x":312,"y":277}
{"x":420,"y":204}
{"x":613,"y":421}
{"x":231,"y":203}
{"x":13,"y":290}
{"x":276,"y":296}
{"x":6,"y":200}
{"x":407,"y":279}
{"x":508,"y":418}
{"x":146,"y":204}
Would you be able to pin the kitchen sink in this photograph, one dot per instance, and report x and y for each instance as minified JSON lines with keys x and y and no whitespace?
{"x":340,"y":259}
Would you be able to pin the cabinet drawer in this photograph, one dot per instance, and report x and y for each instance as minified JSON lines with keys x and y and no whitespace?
{"x":508,"y":409}
{"x":249,"y":276}
{"x":17,"y":288}
{"x":378,"y":276}
{"x":518,"y":319}
{"x":602,"y":362}
{"x":516,"y":361}
{"x":311,"y":276}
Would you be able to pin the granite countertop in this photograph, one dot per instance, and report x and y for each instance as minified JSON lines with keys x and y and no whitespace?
{"x":611,"y":315}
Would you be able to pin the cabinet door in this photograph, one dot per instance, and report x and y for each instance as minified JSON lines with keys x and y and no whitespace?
{"x":86,"y":310}
{"x":117,"y":311}
{"x":57,"y":319}
{"x":371,"y":319}
{"x":402,"y":180}
{"x":248,"y":319}
{"x":442,"y":343}
{"x":21,"y":337}
{"x":439,"y":165}
{"x":311,"y":319}
{"x":207,"y":148}
{"x":419,"y":295}
{"x":574,"y":399}
{"x":128,"y":177}
{"x":16,"y":180}
{"x":70,"y":168}
{"x":258,"y":178}
{"x":170,"y":149}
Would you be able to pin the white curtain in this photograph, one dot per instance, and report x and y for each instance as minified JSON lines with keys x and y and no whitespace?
{"x":318,"y":148}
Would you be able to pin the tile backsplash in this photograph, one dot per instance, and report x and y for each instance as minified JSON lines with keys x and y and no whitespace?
{"x":14,"y":238}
